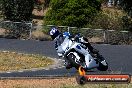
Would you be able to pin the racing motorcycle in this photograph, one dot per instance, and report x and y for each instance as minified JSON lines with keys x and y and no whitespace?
{"x":71,"y":50}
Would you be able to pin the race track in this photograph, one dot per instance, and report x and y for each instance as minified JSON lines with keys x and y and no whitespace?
{"x":119,"y":58}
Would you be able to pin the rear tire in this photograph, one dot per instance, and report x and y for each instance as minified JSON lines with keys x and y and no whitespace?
{"x":102,"y":67}
{"x":81,"y":80}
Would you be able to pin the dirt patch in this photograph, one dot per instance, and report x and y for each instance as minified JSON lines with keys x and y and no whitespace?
{"x":95,"y":39}
{"x":37,"y":83}
{"x":39,"y":35}
{"x":55,"y":83}
{"x":2,"y":31}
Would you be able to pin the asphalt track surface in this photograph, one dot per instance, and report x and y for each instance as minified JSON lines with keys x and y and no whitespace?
{"x":119,"y":58}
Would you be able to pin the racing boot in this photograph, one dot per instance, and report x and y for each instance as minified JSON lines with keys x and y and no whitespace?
{"x":94,"y":53}
{"x":100,"y":57}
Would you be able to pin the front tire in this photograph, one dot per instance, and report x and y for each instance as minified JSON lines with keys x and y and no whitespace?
{"x":71,"y":58}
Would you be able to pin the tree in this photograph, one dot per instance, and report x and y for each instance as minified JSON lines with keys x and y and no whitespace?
{"x":42,"y":4}
{"x":0,"y":8}
{"x":18,"y":10}
{"x":72,"y":12}
{"x":1,"y":5}
{"x":127,"y":21}
{"x":127,"y":6}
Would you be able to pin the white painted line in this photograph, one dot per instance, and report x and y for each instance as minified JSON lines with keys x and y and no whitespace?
{"x":61,"y":60}
{"x":47,"y":69}
{"x":55,"y":68}
{"x":8,"y":72}
{"x":34,"y":70}
{"x":20,"y":71}
{"x":105,"y":44}
{"x":61,"y":67}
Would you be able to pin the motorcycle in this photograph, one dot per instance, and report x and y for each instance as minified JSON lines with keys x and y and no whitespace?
{"x":73,"y":52}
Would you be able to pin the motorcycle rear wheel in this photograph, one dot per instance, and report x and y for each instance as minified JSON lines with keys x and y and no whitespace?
{"x":102,"y":67}
{"x":81,"y":80}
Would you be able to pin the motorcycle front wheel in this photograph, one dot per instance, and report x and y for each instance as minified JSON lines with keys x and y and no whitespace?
{"x":71,"y":58}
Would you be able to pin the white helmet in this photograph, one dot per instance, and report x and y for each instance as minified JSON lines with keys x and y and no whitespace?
{"x":54,"y":33}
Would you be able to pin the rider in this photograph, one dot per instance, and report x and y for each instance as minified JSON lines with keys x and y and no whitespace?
{"x":59,"y":39}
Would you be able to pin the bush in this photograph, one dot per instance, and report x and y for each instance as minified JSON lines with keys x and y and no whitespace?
{"x":72,"y":12}
{"x":39,"y":35}
{"x":109,"y":18}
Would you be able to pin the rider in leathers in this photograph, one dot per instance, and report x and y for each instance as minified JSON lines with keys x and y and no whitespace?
{"x":60,"y":38}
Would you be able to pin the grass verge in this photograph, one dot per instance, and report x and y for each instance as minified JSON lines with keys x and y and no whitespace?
{"x":17,"y":61}
{"x":55,"y":83}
